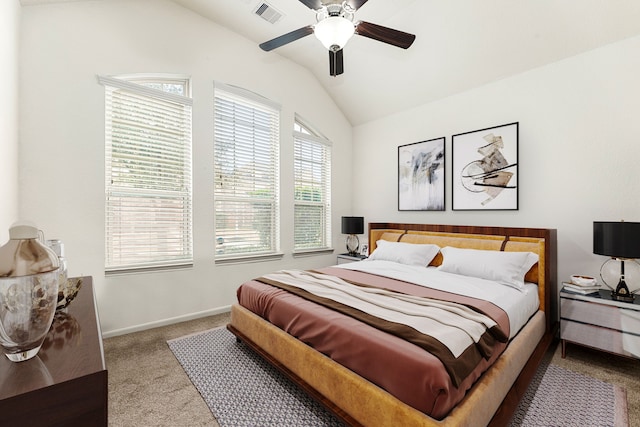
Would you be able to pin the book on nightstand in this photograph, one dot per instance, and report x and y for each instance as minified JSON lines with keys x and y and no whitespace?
{"x":582,"y":290}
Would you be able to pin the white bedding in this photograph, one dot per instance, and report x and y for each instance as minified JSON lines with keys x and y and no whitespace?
{"x":455,"y":325}
{"x":519,"y":305}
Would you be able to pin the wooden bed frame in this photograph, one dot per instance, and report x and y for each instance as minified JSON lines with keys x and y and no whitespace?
{"x":493,"y":398}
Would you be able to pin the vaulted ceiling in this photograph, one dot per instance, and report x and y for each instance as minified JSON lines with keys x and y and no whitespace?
{"x":460,"y":44}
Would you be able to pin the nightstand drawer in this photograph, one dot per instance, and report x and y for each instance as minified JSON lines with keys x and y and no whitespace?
{"x":627,"y":344}
{"x":591,"y":313}
{"x":630,"y":320}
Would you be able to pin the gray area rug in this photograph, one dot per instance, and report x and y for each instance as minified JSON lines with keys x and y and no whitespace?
{"x":559,"y":397}
{"x":241,"y":389}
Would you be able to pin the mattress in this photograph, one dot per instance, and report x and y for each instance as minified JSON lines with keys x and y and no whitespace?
{"x":405,"y":370}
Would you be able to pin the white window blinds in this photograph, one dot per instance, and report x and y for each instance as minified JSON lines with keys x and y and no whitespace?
{"x":246,"y":159}
{"x":312,"y":196}
{"x":148,"y":176}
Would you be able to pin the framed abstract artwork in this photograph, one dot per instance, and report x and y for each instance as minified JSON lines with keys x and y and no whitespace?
{"x":485,"y":169}
{"x":421,"y":176}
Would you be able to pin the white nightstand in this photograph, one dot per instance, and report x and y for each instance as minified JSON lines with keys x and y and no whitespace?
{"x":598,"y":321}
{"x":345,"y":258}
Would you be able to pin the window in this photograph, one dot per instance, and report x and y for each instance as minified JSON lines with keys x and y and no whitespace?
{"x":312,"y":189}
{"x":148,"y":173}
{"x":246,"y":160}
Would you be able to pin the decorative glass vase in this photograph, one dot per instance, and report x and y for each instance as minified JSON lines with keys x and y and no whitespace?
{"x":26,"y":312}
{"x":28,"y":292}
{"x":65,"y":287}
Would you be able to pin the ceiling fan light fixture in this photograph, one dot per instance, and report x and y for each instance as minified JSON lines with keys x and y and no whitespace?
{"x":335,"y":26}
{"x":334,"y":32}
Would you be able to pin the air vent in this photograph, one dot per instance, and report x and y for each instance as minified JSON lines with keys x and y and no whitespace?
{"x":268,"y":13}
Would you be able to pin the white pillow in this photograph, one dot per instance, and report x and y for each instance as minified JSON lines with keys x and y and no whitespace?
{"x":405,"y":253}
{"x":508,"y":268}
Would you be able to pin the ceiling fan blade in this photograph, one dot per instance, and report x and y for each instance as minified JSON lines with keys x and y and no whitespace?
{"x":312,"y":4}
{"x":336,"y":62}
{"x":286,"y":38}
{"x":355,"y":4}
{"x":385,"y":35}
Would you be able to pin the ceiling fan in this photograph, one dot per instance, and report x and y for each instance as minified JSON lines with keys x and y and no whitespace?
{"x":334,"y":27}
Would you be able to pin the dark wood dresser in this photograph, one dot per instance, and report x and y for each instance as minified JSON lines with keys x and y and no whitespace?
{"x":66,"y":382}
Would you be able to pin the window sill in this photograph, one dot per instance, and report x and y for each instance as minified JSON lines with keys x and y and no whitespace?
{"x":248,"y":258}
{"x":312,"y":252}
{"x":149,"y":269}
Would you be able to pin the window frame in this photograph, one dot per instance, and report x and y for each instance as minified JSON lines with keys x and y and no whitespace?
{"x":307,"y":134}
{"x":245,"y":100}
{"x":147,"y":191}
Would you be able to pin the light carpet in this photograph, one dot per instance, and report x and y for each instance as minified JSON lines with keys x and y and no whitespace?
{"x":242,"y":389}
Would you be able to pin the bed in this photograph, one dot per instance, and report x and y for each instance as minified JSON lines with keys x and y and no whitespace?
{"x":485,"y":394}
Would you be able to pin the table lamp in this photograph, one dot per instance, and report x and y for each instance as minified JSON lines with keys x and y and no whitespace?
{"x":620,"y":241}
{"x":352,"y":225}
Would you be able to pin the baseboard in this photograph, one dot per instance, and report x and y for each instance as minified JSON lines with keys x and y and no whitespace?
{"x":165,"y":322}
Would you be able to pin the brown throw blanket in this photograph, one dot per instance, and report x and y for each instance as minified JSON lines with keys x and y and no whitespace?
{"x":457,"y":335}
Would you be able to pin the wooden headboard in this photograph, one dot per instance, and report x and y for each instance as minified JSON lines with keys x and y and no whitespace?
{"x":541,"y":241}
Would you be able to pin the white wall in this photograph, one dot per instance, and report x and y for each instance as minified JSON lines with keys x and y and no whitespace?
{"x":64,"y":47}
{"x":579,"y":150}
{"x":9,"y":42}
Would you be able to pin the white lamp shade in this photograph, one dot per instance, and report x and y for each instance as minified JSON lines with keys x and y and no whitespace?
{"x":334,"y":31}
